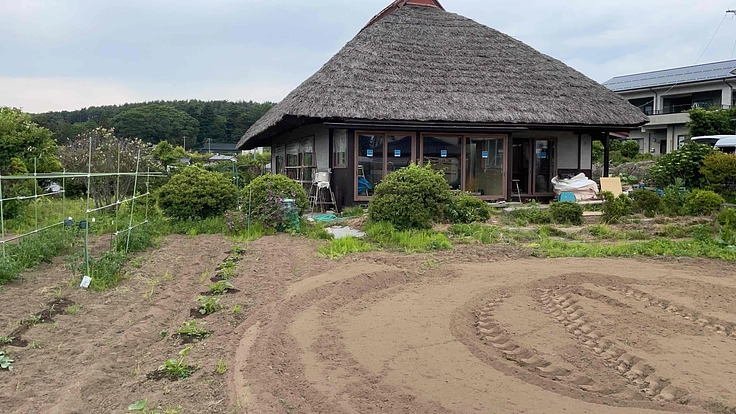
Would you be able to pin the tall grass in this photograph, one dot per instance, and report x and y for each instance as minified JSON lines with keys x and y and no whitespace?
{"x":651,"y":248}
{"x":343,"y":247}
{"x":32,"y":250}
{"x":410,"y":241}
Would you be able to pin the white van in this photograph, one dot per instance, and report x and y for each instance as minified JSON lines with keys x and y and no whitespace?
{"x":727,"y":145}
{"x":711,"y":139}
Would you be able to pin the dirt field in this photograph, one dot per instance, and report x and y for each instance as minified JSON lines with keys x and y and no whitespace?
{"x":480,"y":329}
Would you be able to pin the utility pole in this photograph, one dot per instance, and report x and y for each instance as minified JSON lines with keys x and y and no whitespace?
{"x":185,"y":143}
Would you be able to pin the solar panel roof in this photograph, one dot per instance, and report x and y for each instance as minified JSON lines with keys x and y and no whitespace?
{"x":668,"y":77}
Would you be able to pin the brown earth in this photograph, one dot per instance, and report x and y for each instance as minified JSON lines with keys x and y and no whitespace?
{"x":483,"y":329}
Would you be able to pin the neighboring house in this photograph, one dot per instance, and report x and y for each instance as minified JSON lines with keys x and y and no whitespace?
{"x":219,"y":158}
{"x":419,"y":84}
{"x":665,"y":95}
{"x":219,"y":148}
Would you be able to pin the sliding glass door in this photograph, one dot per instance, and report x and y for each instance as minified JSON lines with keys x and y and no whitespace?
{"x":485,"y":166}
{"x":379,"y":154}
{"x":444,"y":153}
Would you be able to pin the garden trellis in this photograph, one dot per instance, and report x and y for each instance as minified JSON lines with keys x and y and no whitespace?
{"x":61,"y":190}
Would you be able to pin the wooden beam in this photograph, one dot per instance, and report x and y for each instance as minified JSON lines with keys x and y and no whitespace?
{"x":606,"y":154}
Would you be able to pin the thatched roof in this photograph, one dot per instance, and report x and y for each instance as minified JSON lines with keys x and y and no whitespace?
{"x":425,"y":64}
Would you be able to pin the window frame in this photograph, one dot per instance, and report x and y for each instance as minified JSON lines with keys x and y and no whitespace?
{"x":335,"y":159}
{"x":385,"y":134}
{"x":300,"y":157}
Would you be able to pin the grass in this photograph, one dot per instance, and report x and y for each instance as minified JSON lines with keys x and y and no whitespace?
{"x":342,"y":247}
{"x":410,"y":241}
{"x":315,"y":231}
{"x":222,"y":366}
{"x":650,"y":248}
{"x":72,"y":309}
{"x":356,"y":211}
{"x":32,"y":250}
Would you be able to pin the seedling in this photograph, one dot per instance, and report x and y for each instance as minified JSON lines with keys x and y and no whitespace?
{"x":5,"y":361}
{"x":72,"y":309}
{"x":140,"y":406}
{"x":4,"y":340}
{"x":191,"y":330}
{"x":222,"y":366}
{"x":236,"y":309}
{"x":176,"y":368}
{"x":163,"y":334}
{"x":36,"y":345}
{"x":221,"y":287}
{"x":209,"y":305}
{"x":203,"y":277}
{"x":33,"y":320}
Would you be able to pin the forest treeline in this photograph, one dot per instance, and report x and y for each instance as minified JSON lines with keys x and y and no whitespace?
{"x":173,"y":121}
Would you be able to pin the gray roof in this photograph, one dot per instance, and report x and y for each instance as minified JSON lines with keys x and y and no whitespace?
{"x":423,"y":64}
{"x":676,"y":76}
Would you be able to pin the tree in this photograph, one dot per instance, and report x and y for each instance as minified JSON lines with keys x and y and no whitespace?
{"x":711,"y":122}
{"x":23,"y":147}
{"x":207,"y":119}
{"x":167,"y":154}
{"x":106,"y":150}
{"x":630,"y":148}
{"x":155,"y":123}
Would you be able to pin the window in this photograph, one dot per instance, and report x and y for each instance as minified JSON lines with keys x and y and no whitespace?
{"x":340,"y":149}
{"x":279,"y":155}
{"x":444,"y":153}
{"x":378,"y":154}
{"x":300,"y":160}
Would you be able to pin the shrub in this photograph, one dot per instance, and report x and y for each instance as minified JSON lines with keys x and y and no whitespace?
{"x":466,"y":208}
{"x":236,"y":221}
{"x":412,"y":197}
{"x":720,"y":171}
{"x":265,"y":195}
{"x":197,"y":193}
{"x":647,"y":202}
{"x":673,"y":199}
{"x":566,"y":213}
{"x":702,"y":203}
{"x":684,"y":163}
{"x":727,"y":218}
{"x":532,"y":215}
{"x":630,"y":149}
{"x":614,"y":208}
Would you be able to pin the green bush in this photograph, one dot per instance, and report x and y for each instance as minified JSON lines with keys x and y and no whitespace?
{"x":532,"y":215}
{"x":614,"y":208}
{"x":410,"y":198}
{"x":197,"y":193}
{"x":684,"y":163}
{"x":702,"y":203}
{"x":264,"y":194}
{"x":630,"y":148}
{"x":566,"y":213}
{"x":727,"y":218}
{"x":466,"y":208}
{"x":647,"y":202}
{"x":673,"y":199}
{"x":719,"y":170}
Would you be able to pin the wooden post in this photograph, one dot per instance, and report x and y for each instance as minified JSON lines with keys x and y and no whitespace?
{"x":606,"y":154}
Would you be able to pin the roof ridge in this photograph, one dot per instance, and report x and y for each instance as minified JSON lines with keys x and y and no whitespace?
{"x":397,"y":4}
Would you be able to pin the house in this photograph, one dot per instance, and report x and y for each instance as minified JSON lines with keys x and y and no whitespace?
{"x":665,"y":95}
{"x":420,"y":84}
{"x":219,"y":148}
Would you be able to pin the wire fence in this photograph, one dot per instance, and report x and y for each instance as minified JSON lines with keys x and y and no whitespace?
{"x":60,"y":190}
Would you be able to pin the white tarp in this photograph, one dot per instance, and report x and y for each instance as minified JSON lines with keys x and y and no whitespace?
{"x":583,"y":187}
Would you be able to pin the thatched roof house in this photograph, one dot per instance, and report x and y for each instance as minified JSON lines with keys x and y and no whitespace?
{"x":418,"y":75}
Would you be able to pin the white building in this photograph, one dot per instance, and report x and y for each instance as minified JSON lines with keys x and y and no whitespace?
{"x":665,"y":95}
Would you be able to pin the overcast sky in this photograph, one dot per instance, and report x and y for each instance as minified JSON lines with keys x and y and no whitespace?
{"x":69,"y":54}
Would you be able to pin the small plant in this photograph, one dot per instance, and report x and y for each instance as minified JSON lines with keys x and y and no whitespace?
{"x":466,"y":208}
{"x":356,"y":211}
{"x":176,"y":368}
{"x":209,"y":305}
{"x":191,"y":330}
{"x":222,"y":366}
{"x":36,"y":345}
{"x":140,"y":406}
{"x":5,"y":361}
{"x":4,"y":340}
{"x":614,"y":208}
{"x":703,"y":203}
{"x":163,"y":334}
{"x":567,"y":213}
{"x":221,"y":287}
{"x":72,"y":309}
{"x":647,"y":202}
{"x":236,"y":309}
{"x":33,"y":320}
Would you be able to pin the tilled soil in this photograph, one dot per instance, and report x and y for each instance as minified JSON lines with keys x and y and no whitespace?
{"x":479,"y":329}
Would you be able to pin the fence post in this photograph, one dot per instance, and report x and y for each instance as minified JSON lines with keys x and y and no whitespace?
{"x":2,"y":214}
{"x":132,"y":201}
{"x":89,"y":190}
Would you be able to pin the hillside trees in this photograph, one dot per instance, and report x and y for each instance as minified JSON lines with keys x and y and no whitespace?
{"x":155,"y":123}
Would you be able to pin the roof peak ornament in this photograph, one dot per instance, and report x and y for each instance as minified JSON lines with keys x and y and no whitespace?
{"x":396,"y":5}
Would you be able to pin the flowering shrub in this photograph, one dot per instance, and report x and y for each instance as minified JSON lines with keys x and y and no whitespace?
{"x":236,"y":221}
{"x":265,"y":195}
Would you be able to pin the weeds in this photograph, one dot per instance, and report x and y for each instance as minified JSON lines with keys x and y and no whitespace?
{"x":72,"y":309}
{"x":236,"y":309}
{"x":4,"y":340}
{"x":342,"y":247}
{"x":176,"y":368}
{"x":209,"y":305}
{"x":140,"y":406}
{"x":33,"y":250}
{"x":221,"y":287}
{"x":411,"y":241}
{"x":356,"y":211}
{"x":479,"y":232}
{"x":191,"y":330}
{"x":222,"y":366}
{"x":314,"y":231}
